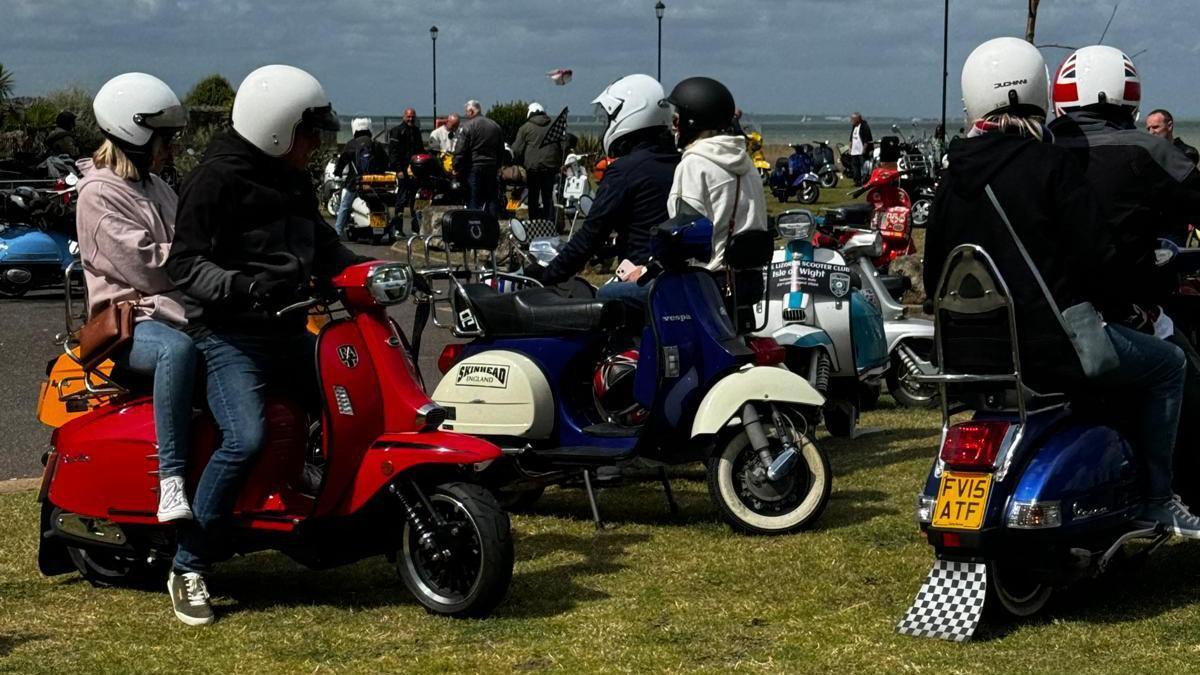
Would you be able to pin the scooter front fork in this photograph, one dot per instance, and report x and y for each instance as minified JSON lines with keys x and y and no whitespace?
{"x":426,"y":535}
{"x":776,"y":467}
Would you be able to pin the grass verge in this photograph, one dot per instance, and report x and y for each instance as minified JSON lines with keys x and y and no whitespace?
{"x":650,"y":594}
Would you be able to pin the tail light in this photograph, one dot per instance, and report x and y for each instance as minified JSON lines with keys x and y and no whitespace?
{"x":974,"y":445}
{"x":451,"y":353}
{"x":767,"y":351}
{"x":60,"y":185}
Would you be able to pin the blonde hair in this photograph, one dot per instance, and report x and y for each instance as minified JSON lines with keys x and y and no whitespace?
{"x":1015,"y":124}
{"x":111,"y":157}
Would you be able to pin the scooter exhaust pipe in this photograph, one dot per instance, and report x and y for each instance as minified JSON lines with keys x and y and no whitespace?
{"x":915,"y":365}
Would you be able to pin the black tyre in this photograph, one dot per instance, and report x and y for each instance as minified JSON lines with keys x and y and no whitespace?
{"x":841,"y":417}
{"x":738,"y":485}
{"x":11,"y":290}
{"x":868,"y":396}
{"x":1012,"y":592}
{"x":829,"y":179}
{"x":809,"y":193}
{"x":518,"y":500}
{"x":104,"y":568}
{"x":467,"y":571}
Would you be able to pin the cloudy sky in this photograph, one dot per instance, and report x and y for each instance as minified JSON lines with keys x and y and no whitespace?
{"x":778,"y":56}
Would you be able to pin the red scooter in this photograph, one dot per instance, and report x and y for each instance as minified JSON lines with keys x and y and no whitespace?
{"x":891,"y":215}
{"x":390,"y":483}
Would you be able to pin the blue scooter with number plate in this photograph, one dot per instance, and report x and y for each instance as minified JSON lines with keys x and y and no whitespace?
{"x":1032,"y":493}
{"x":708,"y":393}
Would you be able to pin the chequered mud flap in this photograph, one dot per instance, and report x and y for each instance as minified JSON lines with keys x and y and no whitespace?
{"x":950,"y":602}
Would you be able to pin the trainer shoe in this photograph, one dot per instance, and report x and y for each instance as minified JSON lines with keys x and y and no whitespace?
{"x":1174,"y":515}
{"x":172,"y":500}
{"x":189,"y":598}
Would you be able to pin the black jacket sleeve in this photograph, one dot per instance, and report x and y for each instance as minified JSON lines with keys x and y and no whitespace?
{"x":608,"y":212}
{"x":331,"y":256}
{"x":518,"y":146}
{"x":202,"y":210}
{"x":347,"y":157}
{"x":397,"y":161}
{"x":935,"y":243}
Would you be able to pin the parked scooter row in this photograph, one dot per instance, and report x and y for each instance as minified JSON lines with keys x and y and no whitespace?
{"x":37,"y":235}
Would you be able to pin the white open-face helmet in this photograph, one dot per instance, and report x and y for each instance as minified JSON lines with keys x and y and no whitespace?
{"x":1005,"y":74}
{"x":360,"y":124}
{"x":272,"y":102}
{"x":1097,"y":74}
{"x":631,"y":103}
{"x":129,"y":108}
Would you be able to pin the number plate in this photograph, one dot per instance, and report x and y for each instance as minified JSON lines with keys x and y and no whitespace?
{"x":962,"y":500}
{"x":378,"y":223}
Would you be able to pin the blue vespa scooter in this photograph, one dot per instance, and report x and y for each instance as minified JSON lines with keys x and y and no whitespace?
{"x":1032,"y":493}
{"x":36,"y":242}
{"x":705,"y":392}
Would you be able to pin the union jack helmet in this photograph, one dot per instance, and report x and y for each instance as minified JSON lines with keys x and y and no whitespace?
{"x":1097,"y":74}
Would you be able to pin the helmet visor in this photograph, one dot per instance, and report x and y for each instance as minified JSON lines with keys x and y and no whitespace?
{"x":174,"y":117}
{"x":322,"y":117}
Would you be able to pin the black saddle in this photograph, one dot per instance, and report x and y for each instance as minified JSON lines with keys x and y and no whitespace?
{"x":541,"y":311}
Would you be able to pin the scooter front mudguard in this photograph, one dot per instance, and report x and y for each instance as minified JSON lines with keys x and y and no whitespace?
{"x":394,"y":454}
{"x":751,"y":383}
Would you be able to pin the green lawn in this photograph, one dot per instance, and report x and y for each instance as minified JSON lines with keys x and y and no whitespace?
{"x":649,"y":594}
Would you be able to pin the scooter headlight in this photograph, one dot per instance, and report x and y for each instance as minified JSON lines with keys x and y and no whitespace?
{"x":390,"y":283}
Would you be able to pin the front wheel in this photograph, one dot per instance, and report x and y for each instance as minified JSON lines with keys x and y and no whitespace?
{"x":1013,"y":592}
{"x":749,"y":502}
{"x":809,"y":193}
{"x":464,"y":568}
{"x":829,"y":179}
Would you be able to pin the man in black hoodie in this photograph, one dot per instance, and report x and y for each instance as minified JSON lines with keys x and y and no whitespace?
{"x":248,"y":241}
{"x":404,"y":141}
{"x":542,"y":161}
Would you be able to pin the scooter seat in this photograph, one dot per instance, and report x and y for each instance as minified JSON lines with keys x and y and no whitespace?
{"x":541,"y":311}
{"x":896,"y":284}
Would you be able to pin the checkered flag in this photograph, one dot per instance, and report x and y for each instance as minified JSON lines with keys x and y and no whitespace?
{"x":557,"y":131}
{"x":949,"y":604}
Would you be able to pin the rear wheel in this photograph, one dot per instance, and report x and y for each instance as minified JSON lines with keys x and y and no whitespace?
{"x":465,"y":568}
{"x":920,"y":212}
{"x":829,"y":179}
{"x":749,"y":502}
{"x":1013,"y":592}
{"x":904,"y":387}
{"x":105,"y":568}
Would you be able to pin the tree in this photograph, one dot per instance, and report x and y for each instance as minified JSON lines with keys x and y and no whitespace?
{"x":1031,"y":21}
{"x":6,"y":83}
{"x":213,"y":90}
{"x":510,"y":116}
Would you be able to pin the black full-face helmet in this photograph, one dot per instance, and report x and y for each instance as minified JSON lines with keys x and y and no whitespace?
{"x":702,"y":104}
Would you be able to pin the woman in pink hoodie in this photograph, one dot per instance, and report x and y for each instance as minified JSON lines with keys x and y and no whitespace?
{"x":126,"y":220}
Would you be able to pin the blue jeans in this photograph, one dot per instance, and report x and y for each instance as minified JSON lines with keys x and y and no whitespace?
{"x":484,"y":189}
{"x":1150,"y":381}
{"x":239,"y":368}
{"x":628,"y":292}
{"x":170,"y":356}
{"x":343,"y":214}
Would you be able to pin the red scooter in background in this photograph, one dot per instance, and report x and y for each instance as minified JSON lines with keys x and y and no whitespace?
{"x":390,"y":484}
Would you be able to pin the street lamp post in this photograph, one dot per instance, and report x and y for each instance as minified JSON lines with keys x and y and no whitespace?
{"x":945,"y":65}
{"x":433,"y":31}
{"x":659,"y":8}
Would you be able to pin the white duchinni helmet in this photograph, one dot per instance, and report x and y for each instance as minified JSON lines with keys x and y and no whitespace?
{"x":1097,"y":74}
{"x":273,"y":101}
{"x":630,"y":104}
{"x":129,"y":108}
{"x":1005,"y":74}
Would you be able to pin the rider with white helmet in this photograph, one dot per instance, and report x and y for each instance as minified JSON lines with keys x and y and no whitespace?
{"x":1028,"y":204}
{"x":249,"y":240}
{"x":632,"y":198}
{"x":123,"y":248}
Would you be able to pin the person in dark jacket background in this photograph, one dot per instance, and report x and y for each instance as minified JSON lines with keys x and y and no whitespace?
{"x":62,"y":140}
{"x":632,"y":198}
{"x":1147,"y":189}
{"x":248,"y":241}
{"x":362,"y":155}
{"x":478,"y":157}
{"x":1053,"y":215}
{"x":1161,"y":123}
{"x":542,"y":161}
{"x":404,"y":141}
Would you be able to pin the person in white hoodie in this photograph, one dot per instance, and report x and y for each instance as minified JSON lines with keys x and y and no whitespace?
{"x":126,"y":221}
{"x":716,"y":177}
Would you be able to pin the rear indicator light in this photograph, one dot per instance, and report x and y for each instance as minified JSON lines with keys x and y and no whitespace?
{"x":974,"y":445}
{"x":767,"y":351}
{"x":450,"y":356}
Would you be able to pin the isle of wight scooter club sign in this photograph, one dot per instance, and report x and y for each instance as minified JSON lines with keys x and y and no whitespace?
{"x":820,"y":279}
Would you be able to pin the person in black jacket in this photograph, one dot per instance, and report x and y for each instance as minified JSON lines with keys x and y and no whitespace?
{"x":632,"y":198}
{"x":1042,"y":191}
{"x":248,"y":242}
{"x":1161,"y":123}
{"x":62,"y":140}
{"x":404,"y":141}
{"x":542,"y":161}
{"x":362,"y":155}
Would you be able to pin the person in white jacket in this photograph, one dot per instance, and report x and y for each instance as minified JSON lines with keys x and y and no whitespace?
{"x":716,"y":177}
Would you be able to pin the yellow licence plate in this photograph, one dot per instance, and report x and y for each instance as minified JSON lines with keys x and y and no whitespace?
{"x":962,"y":500}
{"x":378,"y":223}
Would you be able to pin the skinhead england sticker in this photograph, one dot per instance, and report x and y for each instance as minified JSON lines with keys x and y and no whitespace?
{"x":949,"y":604}
{"x":482,"y":375}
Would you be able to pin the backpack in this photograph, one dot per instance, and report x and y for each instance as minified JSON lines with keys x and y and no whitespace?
{"x":362,"y":158}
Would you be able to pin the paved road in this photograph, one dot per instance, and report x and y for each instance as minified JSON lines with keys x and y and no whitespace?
{"x":27,"y":329}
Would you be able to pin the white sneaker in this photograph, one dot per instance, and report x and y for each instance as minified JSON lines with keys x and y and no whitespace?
{"x":172,"y":500}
